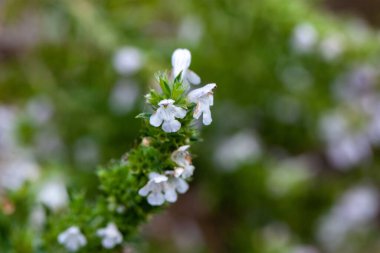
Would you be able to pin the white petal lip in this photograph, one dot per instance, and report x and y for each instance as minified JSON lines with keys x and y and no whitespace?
{"x":155,"y":119}
{"x":171,"y":126}
{"x":207,"y":117}
{"x":179,"y":112}
{"x":192,"y":77}
{"x":156,"y":199}
{"x":181,"y":185}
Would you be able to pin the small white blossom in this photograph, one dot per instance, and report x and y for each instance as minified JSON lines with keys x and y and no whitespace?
{"x":241,"y":148}
{"x":204,"y":98}
{"x":110,"y":235}
{"x":190,"y":30}
{"x":53,"y":194}
{"x":160,"y":188}
{"x":181,"y":60}
{"x":174,"y":185}
{"x":154,"y":189}
{"x":354,"y":211}
{"x":123,"y":97}
{"x":167,"y":114}
{"x":304,"y":38}
{"x":72,"y":239}
{"x":331,"y":48}
{"x":183,"y":159}
{"x":128,"y":60}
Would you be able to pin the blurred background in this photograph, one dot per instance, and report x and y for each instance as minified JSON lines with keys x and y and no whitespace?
{"x":290,"y":163}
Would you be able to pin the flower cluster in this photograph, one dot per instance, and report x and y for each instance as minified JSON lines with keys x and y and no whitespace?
{"x":73,"y":239}
{"x":158,"y":169}
{"x":174,"y":104}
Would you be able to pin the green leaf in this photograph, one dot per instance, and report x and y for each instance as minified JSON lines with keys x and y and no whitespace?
{"x":143,"y":115}
{"x":165,"y":88}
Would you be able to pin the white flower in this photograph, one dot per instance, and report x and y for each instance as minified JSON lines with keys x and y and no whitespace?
{"x":181,"y":60}
{"x":354,"y":211}
{"x":166,"y":113}
{"x":160,"y":188}
{"x":236,"y":150}
{"x":183,"y":159}
{"x":174,"y":185}
{"x":110,"y":235}
{"x":123,"y":97}
{"x":128,"y":60}
{"x":204,"y":98}
{"x":304,"y":38}
{"x":154,"y":189}
{"x":54,"y":195}
{"x":332,"y":47}
{"x":72,"y":239}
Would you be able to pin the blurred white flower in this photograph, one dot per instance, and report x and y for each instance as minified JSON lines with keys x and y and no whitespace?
{"x":16,"y":170}
{"x":355,"y":83}
{"x":345,"y":147}
{"x":355,"y":210}
{"x":128,"y":60}
{"x":123,"y":97}
{"x":333,"y":126}
{"x":167,"y":114}
{"x":183,"y":159}
{"x":37,"y":217}
{"x":53,"y":194}
{"x":304,"y":38}
{"x":287,"y":175}
{"x":240,"y":148}
{"x":349,"y":151}
{"x":40,"y":109}
{"x":204,"y":98}
{"x":110,"y":235}
{"x":181,"y":60}
{"x":160,"y":188}
{"x":86,"y":152}
{"x":190,"y":30}
{"x":331,"y":47}
{"x":48,"y":144}
{"x":72,"y":239}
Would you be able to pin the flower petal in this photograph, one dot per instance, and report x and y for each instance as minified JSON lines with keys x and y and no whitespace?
{"x":197,"y":111}
{"x":188,"y":172}
{"x":207,"y":117}
{"x":179,"y":112}
{"x":156,"y":198}
{"x":181,"y":185}
{"x":171,"y":126}
{"x":145,"y":190}
{"x":192,"y":77}
{"x":181,"y":60}
{"x":155,"y":119}
{"x":170,"y":194}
